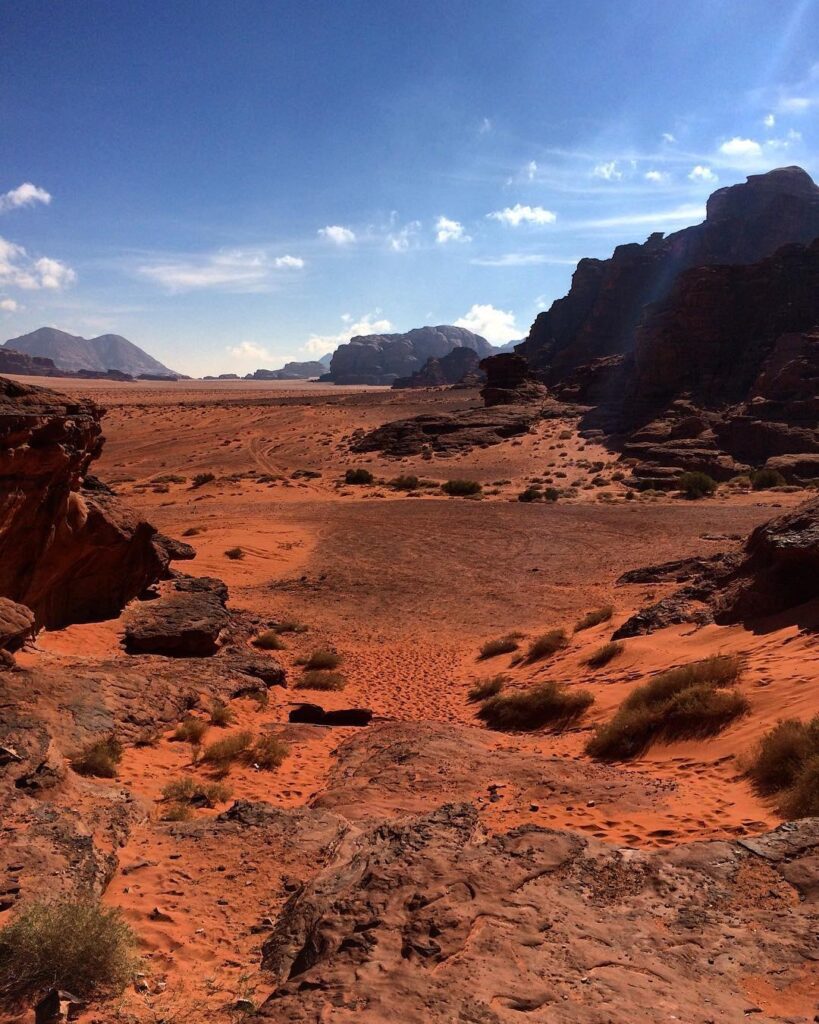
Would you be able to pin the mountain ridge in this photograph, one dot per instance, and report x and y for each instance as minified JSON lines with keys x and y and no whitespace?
{"x":73,"y":352}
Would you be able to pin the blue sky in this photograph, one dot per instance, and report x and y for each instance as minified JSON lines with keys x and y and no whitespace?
{"x":230,"y":184}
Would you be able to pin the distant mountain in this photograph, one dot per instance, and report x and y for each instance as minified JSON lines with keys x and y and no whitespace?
{"x":72,"y":352}
{"x":326,"y":359}
{"x":290,"y":371}
{"x":381,"y":358}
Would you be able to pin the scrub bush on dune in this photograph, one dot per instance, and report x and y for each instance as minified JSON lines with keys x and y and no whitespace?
{"x":548,"y":704}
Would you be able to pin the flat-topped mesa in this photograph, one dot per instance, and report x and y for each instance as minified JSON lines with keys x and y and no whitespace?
{"x":69,"y":552}
{"x":599,"y":315}
{"x":381,"y":358}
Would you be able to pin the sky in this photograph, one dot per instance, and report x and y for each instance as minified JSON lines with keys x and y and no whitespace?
{"x":233,"y":184}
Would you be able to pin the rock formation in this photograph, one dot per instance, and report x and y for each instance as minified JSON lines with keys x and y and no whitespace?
{"x":24,"y":365}
{"x":186,"y":621}
{"x":449,"y":369}
{"x":381,"y":358}
{"x":71,"y":553}
{"x":290,"y":371}
{"x":72,"y":352}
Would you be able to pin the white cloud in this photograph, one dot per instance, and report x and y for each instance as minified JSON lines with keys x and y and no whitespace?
{"x":337,"y":234}
{"x":249,"y":350}
{"x":493,"y":324}
{"x":520,"y":259}
{"x":8,"y":305}
{"x":796,"y":104}
{"x":668,"y":137}
{"x":656,"y":176}
{"x":401,"y":239}
{"x":24,"y":195}
{"x":743,"y":149}
{"x":680,"y":214}
{"x":531,"y":170}
{"x":318,"y":344}
{"x":701,"y":173}
{"x":447,"y":230}
{"x":233,"y":270}
{"x":790,"y":139}
{"x":769,"y":120}
{"x":19,"y":270}
{"x":519,"y":214}
{"x":608,"y":171}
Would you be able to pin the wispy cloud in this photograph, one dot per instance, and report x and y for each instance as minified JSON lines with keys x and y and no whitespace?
{"x":655,"y":176}
{"x":496,"y":325}
{"x":290,"y":262}
{"x":337,"y":234}
{"x":19,"y":270}
{"x":521,"y":259}
{"x":518,"y":214}
{"x":24,"y":195}
{"x":447,"y":230}
{"x":682,"y":214}
{"x":403,"y":238}
{"x":608,"y":171}
{"x":233,"y":270}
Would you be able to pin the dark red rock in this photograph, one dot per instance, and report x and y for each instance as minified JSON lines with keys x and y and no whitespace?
{"x":184,"y":622}
{"x":16,"y":624}
{"x":448,"y":370}
{"x":509,"y":381}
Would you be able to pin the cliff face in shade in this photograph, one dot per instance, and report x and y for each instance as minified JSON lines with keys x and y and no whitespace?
{"x":599,"y":316}
{"x":72,"y":352}
{"x":69,"y":552}
{"x":381,"y":358}
{"x":449,"y":369}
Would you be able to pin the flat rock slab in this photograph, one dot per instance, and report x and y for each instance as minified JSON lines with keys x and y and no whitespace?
{"x":185,"y":622}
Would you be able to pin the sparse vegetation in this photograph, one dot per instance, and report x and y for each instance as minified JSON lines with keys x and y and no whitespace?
{"x":697,"y":485}
{"x":764,"y":479}
{"x":268,"y":752}
{"x":486,"y":688}
{"x":221,"y":714}
{"x":685,"y":702}
{"x":290,"y":626}
{"x":358,"y":477}
{"x":546,"y":645}
{"x":548,"y":704}
{"x":201,"y":479}
{"x":190,"y":730}
{"x":224,"y":752}
{"x":594,"y":618}
{"x":551,"y":494}
{"x":405,"y":483}
{"x":99,"y":759}
{"x":802,"y":800}
{"x":191,"y":791}
{"x":323,"y":660}
{"x":603,"y":655}
{"x":71,"y":943}
{"x":503,"y":645}
{"x":785,"y":763}
{"x":532,"y":493}
{"x":192,"y":531}
{"x":320,"y":679}
{"x":269,"y":641}
{"x":461,"y":488}
{"x":235,"y":553}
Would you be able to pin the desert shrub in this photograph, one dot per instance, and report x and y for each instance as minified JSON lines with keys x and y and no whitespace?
{"x":547,"y":704}
{"x":269,"y":640}
{"x":782,"y":753}
{"x":71,"y":943}
{"x":169,"y":478}
{"x":763,"y":479}
{"x":802,"y":800}
{"x":147,"y":737}
{"x":546,"y":645}
{"x":190,"y":730}
{"x":98,"y":759}
{"x":461,"y":488}
{"x":532,"y":493}
{"x":551,"y":494}
{"x":268,"y":752}
{"x":323,"y":660}
{"x":358,"y":476}
{"x":191,"y":791}
{"x":221,"y":714}
{"x":486,"y":688}
{"x":177,"y":811}
{"x":235,"y":553}
{"x":565,"y":435}
{"x":224,"y":752}
{"x":697,"y":485}
{"x":603,"y":655}
{"x":503,"y":645}
{"x":594,"y":618}
{"x":201,"y":479}
{"x":320,"y":679}
{"x":405,"y":483}
{"x":685,"y":702}
{"x":290,"y":626}
{"x":192,"y":531}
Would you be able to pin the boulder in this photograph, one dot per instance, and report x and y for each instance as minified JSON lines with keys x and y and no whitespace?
{"x":16,"y":624}
{"x":313,"y":714}
{"x":184,"y":622}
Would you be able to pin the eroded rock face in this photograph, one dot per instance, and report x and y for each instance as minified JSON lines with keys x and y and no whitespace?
{"x":433,"y":917}
{"x":68,"y":553}
{"x":381,"y":358}
{"x":446,"y":371}
{"x":16,"y":624}
{"x":509,"y":381}
{"x":186,"y":621}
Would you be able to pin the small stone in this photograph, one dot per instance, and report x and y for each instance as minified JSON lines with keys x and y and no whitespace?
{"x":159,"y":915}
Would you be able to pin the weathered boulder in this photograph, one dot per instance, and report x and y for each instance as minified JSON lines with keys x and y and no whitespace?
{"x":186,"y":621}
{"x":16,"y":624}
{"x":314,"y":714}
{"x":69,"y":553}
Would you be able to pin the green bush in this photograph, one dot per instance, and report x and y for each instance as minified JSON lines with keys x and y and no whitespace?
{"x":320,"y":679}
{"x":594,"y":618}
{"x":548,"y":704}
{"x":763,"y":479}
{"x":486,"y":688}
{"x":461,"y":488}
{"x":682,"y":703}
{"x":98,"y":759}
{"x":546,"y":645}
{"x":503,"y":645}
{"x":71,"y":943}
{"x":603,"y":655}
{"x":697,"y":485}
{"x":358,"y":476}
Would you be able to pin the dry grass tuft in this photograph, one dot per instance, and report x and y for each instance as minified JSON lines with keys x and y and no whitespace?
{"x":486,"y":688}
{"x":98,"y":759}
{"x":320,"y":679}
{"x":547,"y":645}
{"x":548,"y":704}
{"x":594,"y":618}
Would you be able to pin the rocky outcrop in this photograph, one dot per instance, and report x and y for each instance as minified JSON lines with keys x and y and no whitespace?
{"x":381,"y":358}
{"x":599,"y":316}
{"x":446,"y":371}
{"x":290,"y":371}
{"x":436,"y":917}
{"x":186,"y":621}
{"x":509,"y":381}
{"x":69,"y":553}
{"x":16,"y":624}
